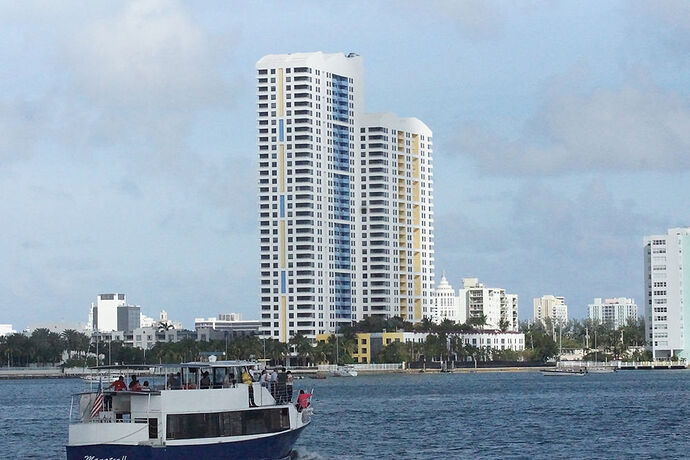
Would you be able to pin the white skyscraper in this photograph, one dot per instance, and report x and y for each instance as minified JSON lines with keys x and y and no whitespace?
{"x":329,"y":239}
{"x":615,"y":312}
{"x":550,"y":306}
{"x":397,"y":217}
{"x":667,"y":270}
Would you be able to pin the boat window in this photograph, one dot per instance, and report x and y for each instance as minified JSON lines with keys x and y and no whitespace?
{"x":236,"y":423}
{"x":218,"y":376}
{"x":153,"y":428}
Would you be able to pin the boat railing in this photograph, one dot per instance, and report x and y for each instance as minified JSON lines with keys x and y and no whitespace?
{"x":85,"y":402}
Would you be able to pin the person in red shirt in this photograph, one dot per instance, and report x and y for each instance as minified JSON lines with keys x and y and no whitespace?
{"x":119,"y":384}
{"x":303,"y":400}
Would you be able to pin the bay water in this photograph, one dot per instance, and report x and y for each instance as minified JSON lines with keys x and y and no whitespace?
{"x":629,"y":414}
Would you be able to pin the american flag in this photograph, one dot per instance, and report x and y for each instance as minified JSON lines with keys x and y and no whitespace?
{"x":97,"y":403}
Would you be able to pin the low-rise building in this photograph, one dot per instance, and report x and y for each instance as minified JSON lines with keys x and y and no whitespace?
{"x":615,"y":312}
{"x":370,"y":343}
{"x":145,"y":337}
{"x":226,"y":325}
{"x":6,"y":329}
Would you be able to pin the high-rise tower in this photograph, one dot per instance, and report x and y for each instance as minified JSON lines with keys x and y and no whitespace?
{"x":397,"y":216}
{"x":667,"y":308}
{"x":329,"y":240}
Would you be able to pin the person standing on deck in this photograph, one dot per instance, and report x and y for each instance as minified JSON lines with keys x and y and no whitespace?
{"x":247,"y":380}
{"x":289,"y":381}
{"x":281,"y":390}
{"x":274,"y":384}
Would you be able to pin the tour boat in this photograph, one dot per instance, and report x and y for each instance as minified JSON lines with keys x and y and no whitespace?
{"x":200,"y":412}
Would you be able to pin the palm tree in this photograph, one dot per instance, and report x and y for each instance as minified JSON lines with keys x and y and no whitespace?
{"x":302,"y":347}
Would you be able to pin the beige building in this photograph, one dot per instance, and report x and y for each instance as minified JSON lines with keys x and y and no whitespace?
{"x":550,"y":306}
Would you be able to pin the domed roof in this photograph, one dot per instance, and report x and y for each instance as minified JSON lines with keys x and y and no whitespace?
{"x":444,"y":286}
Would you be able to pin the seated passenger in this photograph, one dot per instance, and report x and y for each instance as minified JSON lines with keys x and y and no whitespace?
{"x":134,"y":385}
{"x":229,"y":380}
{"x":146,"y":386}
{"x":205,"y":382}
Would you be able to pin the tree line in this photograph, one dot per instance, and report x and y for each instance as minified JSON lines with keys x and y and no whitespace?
{"x":542,"y":342}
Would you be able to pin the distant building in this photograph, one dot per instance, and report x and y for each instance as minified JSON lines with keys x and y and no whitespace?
{"x":667,"y":307}
{"x":227,"y":325}
{"x":6,"y":329}
{"x":128,"y":317}
{"x":615,"y":312}
{"x":447,"y":305}
{"x":145,"y":337}
{"x":499,"y":308}
{"x":550,"y":306}
{"x":57,"y":327}
{"x":369,"y":344}
{"x":104,"y":311}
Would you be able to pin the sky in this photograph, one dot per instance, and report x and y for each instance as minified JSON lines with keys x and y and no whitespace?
{"x":128,"y":142}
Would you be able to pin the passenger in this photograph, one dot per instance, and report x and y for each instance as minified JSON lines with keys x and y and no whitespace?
{"x":229,"y":380}
{"x":205,"y":382}
{"x":303,"y":400}
{"x":134,"y":385}
{"x":264,"y":379}
{"x":117,"y":385}
{"x":146,"y":386}
{"x":281,"y":389}
{"x":289,"y":381}
{"x":253,"y":373}
{"x":274,"y":383}
{"x":177,"y":382}
{"x":247,"y":380}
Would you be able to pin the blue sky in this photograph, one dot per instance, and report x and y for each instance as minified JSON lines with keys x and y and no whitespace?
{"x":127,"y":142}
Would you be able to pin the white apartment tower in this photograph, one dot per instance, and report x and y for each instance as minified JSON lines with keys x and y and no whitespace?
{"x":397,"y":210}
{"x":327,"y":220}
{"x":500,"y":309}
{"x":550,"y":306}
{"x":615,"y":312}
{"x":667,"y":270}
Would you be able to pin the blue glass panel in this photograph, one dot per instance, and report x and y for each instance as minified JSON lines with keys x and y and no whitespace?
{"x":282,"y":205}
{"x":280,"y":130}
{"x":282,"y":282}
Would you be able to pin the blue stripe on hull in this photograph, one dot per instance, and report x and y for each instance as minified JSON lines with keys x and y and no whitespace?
{"x":269,"y":448}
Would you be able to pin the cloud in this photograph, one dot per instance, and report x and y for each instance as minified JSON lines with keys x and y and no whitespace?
{"x":581,"y":246}
{"x":670,"y":19}
{"x":475,"y":18}
{"x":636,"y":127}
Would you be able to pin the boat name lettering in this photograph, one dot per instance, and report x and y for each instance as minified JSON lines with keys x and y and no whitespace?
{"x":93,"y":457}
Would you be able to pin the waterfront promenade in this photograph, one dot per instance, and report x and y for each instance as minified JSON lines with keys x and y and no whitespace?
{"x":325,"y":369}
